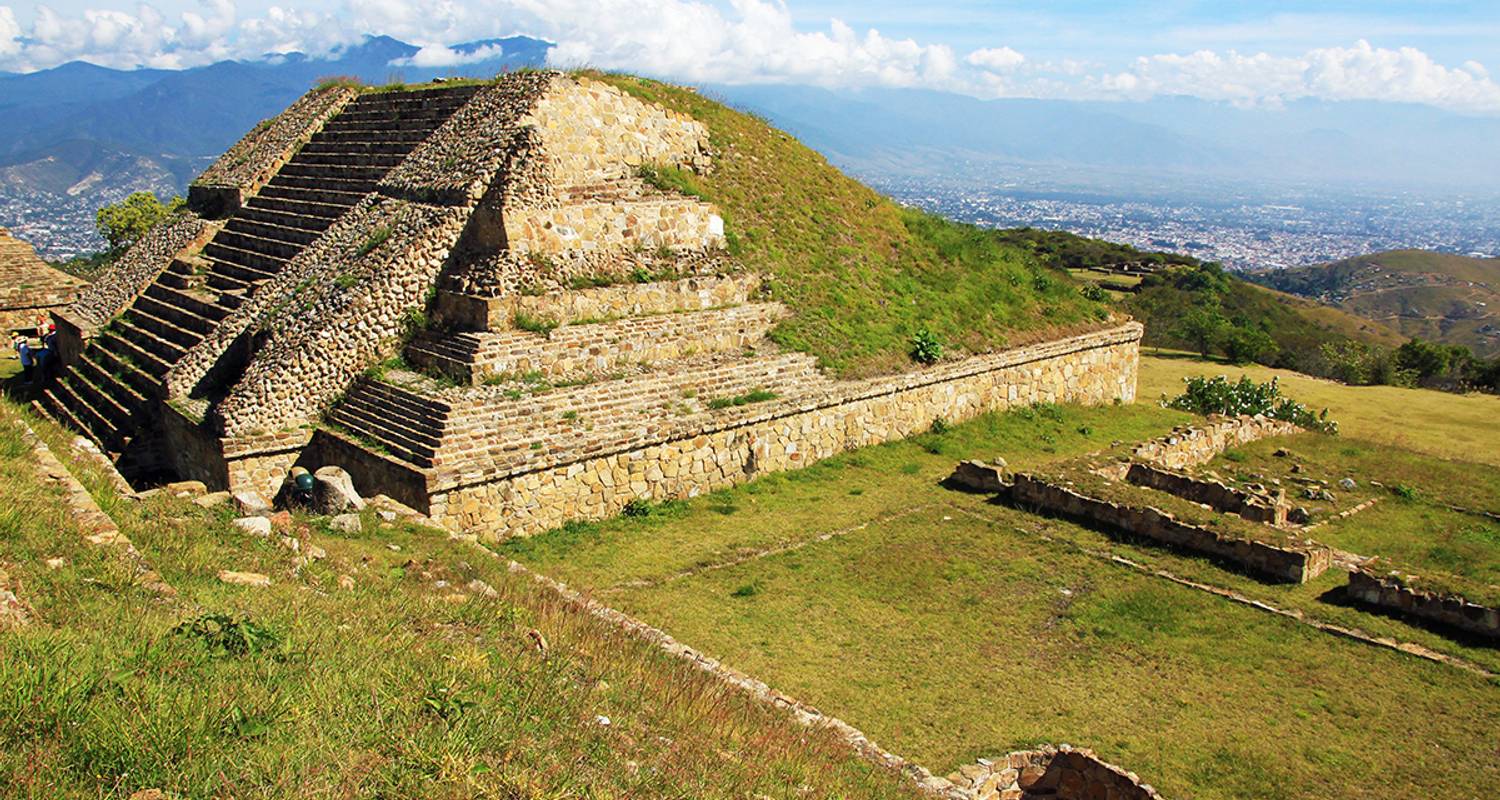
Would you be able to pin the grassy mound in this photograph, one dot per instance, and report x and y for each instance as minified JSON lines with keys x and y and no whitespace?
{"x":862,"y":274}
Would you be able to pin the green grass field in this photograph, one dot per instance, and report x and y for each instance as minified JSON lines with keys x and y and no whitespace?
{"x":409,"y":683}
{"x":948,"y":627}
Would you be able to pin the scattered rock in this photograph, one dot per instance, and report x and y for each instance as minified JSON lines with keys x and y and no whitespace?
{"x":537,"y":640}
{"x":150,"y":794}
{"x":482,"y":589}
{"x":347,"y":523}
{"x":57,"y":562}
{"x":255,"y":526}
{"x":281,"y":520}
{"x":315,"y":552}
{"x":1347,"y":484}
{"x":186,"y":489}
{"x":244,"y":578}
{"x":211,"y":500}
{"x":394,"y":548}
{"x":1296,"y":468}
{"x":1298,"y":516}
{"x":978,"y":476}
{"x":251,"y":504}
{"x":291,"y":543}
{"x":1282,"y":452}
{"x":387,"y":515}
{"x":335,"y":492}
{"x":346,"y":582}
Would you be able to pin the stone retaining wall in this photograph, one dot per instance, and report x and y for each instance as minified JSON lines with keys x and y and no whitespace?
{"x":1213,"y":493}
{"x":1091,"y":369}
{"x":605,"y":302}
{"x":1390,"y":591}
{"x":1190,"y":446}
{"x":1057,"y":773}
{"x":1294,"y":562}
{"x":254,"y":159}
{"x":597,"y":133}
{"x":647,"y":223}
{"x":108,"y":296}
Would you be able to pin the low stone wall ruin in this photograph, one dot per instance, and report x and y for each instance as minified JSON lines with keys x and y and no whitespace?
{"x":1090,"y":369}
{"x":605,"y":302}
{"x":651,"y":223}
{"x":1294,"y":562}
{"x":1189,"y":446}
{"x":1057,"y":773}
{"x":1390,"y":591}
{"x":1220,"y":497}
{"x":108,"y":296}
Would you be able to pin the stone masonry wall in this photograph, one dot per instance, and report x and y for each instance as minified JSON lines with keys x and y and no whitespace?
{"x":348,"y":313}
{"x":1395,"y":592}
{"x":254,"y":159}
{"x":596,"y":133}
{"x":1056,"y":773}
{"x":108,"y":296}
{"x":1189,"y":446}
{"x":650,"y":223}
{"x":29,"y":287}
{"x":1092,"y":369}
{"x":1293,"y":564}
{"x":1213,"y":493}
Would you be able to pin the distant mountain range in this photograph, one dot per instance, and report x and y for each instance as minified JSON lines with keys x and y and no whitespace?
{"x":78,"y":135}
{"x":1435,"y":296}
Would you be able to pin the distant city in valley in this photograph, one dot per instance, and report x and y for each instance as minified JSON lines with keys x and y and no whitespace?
{"x":1244,"y":231}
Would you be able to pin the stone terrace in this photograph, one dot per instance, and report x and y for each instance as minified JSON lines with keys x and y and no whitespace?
{"x":29,"y":288}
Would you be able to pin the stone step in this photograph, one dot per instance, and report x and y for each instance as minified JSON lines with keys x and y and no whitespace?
{"x":91,"y":423}
{"x":163,"y":329}
{"x":301,"y":208}
{"x":425,"y":120}
{"x":118,"y":386}
{"x":261,"y":245}
{"x":314,"y":195}
{"x":298,"y":236}
{"x":283,"y":219}
{"x":127,"y":350}
{"x":376,"y":162}
{"x":337,"y":172}
{"x":99,"y":401}
{"x":440,"y":95}
{"x":142,"y":383}
{"x":430,"y":412}
{"x":358,"y":186}
{"x":53,"y":406}
{"x":393,"y":436}
{"x":261,"y":262}
{"x":397,"y":135}
{"x":177,"y":315}
{"x":187,"y":302}
{"x":377,"y":417}
{"x":355,"y":152}
{"x":230,"y":286}
{"x":164,"y":350}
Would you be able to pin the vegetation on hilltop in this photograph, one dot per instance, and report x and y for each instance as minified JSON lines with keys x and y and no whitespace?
{"x":1446,"y":298}
{"x":862,"y":274}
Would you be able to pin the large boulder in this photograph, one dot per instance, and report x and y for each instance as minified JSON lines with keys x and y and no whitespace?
{"x":334,"y":492}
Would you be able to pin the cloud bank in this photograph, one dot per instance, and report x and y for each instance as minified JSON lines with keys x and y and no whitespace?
{"x":750,"y":41}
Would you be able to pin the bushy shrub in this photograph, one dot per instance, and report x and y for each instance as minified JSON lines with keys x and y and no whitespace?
{"x":1221,"y":396}
{"x":925,"y":347}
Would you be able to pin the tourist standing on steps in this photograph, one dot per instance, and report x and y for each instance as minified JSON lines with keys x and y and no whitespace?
{"x":28,"y":359}
{"x":50,"y":361}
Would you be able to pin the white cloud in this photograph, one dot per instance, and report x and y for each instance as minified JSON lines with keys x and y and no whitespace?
{"x":745,"y":41}
{"x":1360,"y":72}
{"x":436,"y":55}
{"x":996,"y":59}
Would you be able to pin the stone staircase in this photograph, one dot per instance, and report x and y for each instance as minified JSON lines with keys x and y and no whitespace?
{"x":578,"y":390}
{"x":123,"y":369}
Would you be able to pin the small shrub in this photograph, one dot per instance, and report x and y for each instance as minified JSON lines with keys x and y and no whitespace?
{"x":925,"y":347}
{"x":1246,"y":397}
{"x":756,"y":396}
{"x":748,"y":590}
{"x":226,"y":635}
{"x":1236,"y":456}
{"x":939,"y":427}
{"x":1093,"y":291}
{"x":637,"y":508}
{"x":446,"y":702}
{"x":1404,"y":491}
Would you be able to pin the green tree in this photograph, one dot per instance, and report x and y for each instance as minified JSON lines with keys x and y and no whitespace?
{"x":122,"y":224}
{"x":1244,"y":344}
{"x":1202,"y":327}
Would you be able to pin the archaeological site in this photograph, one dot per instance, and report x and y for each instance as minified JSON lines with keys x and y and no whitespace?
{"x":382,"y":280}
{"x":30,"y":290}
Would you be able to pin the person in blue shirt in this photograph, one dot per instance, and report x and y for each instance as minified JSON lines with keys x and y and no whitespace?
{"x":28,"y":358}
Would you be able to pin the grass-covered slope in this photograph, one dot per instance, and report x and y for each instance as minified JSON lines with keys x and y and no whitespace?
{"x":862,"y":274}
{"x":1435,"y":296}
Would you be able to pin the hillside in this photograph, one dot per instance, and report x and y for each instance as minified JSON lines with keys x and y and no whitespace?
{"x":861,"y":273}
{"x":1444,"y":298}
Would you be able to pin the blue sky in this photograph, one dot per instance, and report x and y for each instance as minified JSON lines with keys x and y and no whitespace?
{"x":1250,"y":53}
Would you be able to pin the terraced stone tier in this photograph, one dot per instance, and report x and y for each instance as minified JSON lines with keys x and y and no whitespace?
{"x":576,"y":351}
{"x":106,"y":394}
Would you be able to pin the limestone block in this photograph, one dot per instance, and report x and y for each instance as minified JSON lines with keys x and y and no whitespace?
{"x":334,"y":492}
